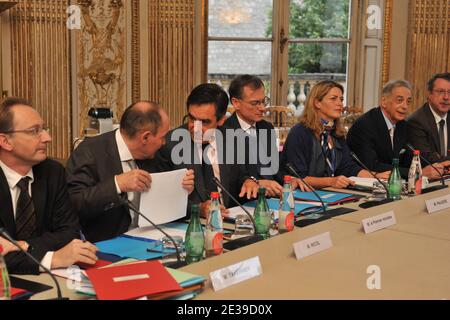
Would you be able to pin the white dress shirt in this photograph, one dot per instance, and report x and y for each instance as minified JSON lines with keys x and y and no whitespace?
{"x":248,"y":128}
{"x":12,"y":177}
{"x":391,"y":128}
{"x":438,"y":119}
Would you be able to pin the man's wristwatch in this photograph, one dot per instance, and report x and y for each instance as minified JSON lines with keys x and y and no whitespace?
{"x":254,"y":179}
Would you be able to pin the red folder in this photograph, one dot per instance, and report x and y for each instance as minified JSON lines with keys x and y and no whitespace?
{"x":132,"y":281}
{"x":98,"y":264}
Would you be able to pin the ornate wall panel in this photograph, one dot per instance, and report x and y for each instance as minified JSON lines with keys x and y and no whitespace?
{"x":40,"y":65}
{"x":429,"y":43}
{"x":387,"y":39}
{"x":101,"y":57}
{"x":171,"y":76}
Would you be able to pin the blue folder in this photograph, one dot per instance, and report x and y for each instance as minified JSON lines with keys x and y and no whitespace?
{"x":328,"y":197}
{"x":300,"y":207}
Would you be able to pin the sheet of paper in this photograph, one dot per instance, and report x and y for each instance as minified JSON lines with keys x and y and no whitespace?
{"x":173,"y":229}
{"x":366,"y":182}
{"x":166,"y":201}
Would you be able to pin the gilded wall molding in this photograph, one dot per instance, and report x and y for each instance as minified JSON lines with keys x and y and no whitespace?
{"x":101,"y":55}
{"x":387,"y":40}
{"x":135,"y":51}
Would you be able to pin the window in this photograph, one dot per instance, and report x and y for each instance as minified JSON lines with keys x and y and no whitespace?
{"x":250,"y":37}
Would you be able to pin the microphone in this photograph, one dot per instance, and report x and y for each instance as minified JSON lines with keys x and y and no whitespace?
{"x":5,"y":234}
{"x":237,"y":243}
{"x":295,"y":173}
{"x":443,"y":185}
{"x":174,"y":265}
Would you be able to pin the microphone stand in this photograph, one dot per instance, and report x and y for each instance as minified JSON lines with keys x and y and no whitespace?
{"x":5,"y":234}
{"x":237,"y":243}
{"x":369,"y":204}
{"x":295,"y":173}
{"x":174,"y":265}
{"x":433,"y":188}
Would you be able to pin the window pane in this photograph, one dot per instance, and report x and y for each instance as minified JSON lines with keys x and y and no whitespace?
{"x":240,"y":18}
{"x":310,"y":63}
{"x":314,"y":19}
{"x":227,"y":59}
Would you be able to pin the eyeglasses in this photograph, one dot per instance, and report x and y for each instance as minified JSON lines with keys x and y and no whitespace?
{"x":264,"y":102}
{"x":34,"y":131}
{"x":442,"y":92}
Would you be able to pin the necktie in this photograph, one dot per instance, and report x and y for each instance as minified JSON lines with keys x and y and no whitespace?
{"x":25,"y":214}
{"x":391,"y":134}
{"x":442,"y":138}
{"x":136,"y":201}
{"x":208,"y":172}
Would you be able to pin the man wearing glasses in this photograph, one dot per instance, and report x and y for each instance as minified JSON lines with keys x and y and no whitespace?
{"x":36,"y":209}
{"x":428,"y":127}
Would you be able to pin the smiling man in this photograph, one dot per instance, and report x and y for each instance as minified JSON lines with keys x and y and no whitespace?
{"x":381,"y":133}
{"x":429,"y":126}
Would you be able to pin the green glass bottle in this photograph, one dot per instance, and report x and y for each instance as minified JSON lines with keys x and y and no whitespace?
{"x":262,"y":214}
{"x":395,"y":182}
{"x":195,"y":240}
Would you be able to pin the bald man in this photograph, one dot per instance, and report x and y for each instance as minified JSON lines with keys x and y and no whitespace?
{"x":105,"y":168}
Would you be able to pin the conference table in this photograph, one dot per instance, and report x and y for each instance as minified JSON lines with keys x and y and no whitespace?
{"x":412,"y":258}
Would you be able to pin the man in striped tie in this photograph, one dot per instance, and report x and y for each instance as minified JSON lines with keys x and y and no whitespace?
{"x":36,"y":209}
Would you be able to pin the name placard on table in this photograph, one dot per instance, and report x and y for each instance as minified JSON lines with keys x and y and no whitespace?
{"x":379,"y":222}
{"x":312,"y":245}
{"x":235,"y":273}
{"x":438,"y":204}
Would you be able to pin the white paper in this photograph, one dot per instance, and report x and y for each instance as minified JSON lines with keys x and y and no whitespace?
{"x":365,"y":182}
{"x":236,"y":273}
{"x":438,"y":204}
{"x":235,"y":211}
{"x":379,"y":222}
{"x":166,"y":200}
{"x":312,"y":245}
{"x":155,"y":234}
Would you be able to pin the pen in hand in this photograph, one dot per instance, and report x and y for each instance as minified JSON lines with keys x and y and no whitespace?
{"x":82,"y":237}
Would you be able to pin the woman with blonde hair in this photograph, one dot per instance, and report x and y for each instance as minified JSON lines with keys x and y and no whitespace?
{"x":316,"y":146}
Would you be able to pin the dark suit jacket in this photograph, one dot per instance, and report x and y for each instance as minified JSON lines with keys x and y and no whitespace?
{"x":232,"y":176}
{"x":90,"y":176}
{"x":423,"y":133}
{"x":369,"y":139}
{"x":57,"y":223}
{"x":254,"y":169}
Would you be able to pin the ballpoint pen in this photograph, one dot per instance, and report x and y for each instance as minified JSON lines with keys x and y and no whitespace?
{"x":82,"y":237}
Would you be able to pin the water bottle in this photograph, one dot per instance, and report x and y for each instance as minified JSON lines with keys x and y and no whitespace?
{"x":415,"y":175}
{"x":5,"y":286}
{"x":395,"y":182}
{"x":262,"y":215}
{"x":286,"y":214}
{"x":214,"y":228}
{"x":194,"y":240}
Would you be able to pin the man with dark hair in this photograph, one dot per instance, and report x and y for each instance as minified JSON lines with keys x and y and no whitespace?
{"x":36,"y":209}
{"x":247,"y":95}
{"x":428,"y":127}
{"x":203,"y":146}
{"x":380,"y":134}
{"x":104,"y":168}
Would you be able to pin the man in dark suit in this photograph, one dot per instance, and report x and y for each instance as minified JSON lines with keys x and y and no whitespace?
{"x":36,"y":209}
{"x":203,"y":146}
{"x":429,"y":126}
{"x":104,"y":169}
{"x":380,"y":134}
{"x":247,"y":94}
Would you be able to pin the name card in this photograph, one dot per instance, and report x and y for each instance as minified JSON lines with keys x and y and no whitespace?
{"x":236,"y":273}
{"x":312,"y":245}
{"x":379,"y":222}
{"x":438,"y":204}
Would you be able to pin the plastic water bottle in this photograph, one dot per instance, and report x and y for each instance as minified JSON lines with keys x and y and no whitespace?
{"x":262,"y":215}
{"x":5,"y":286}
{"x":194,"y":240}
{"x":286,"y":214}
{"x":415,"y":175}
{"x":214,"y":228}
{"x":395,"y":182}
